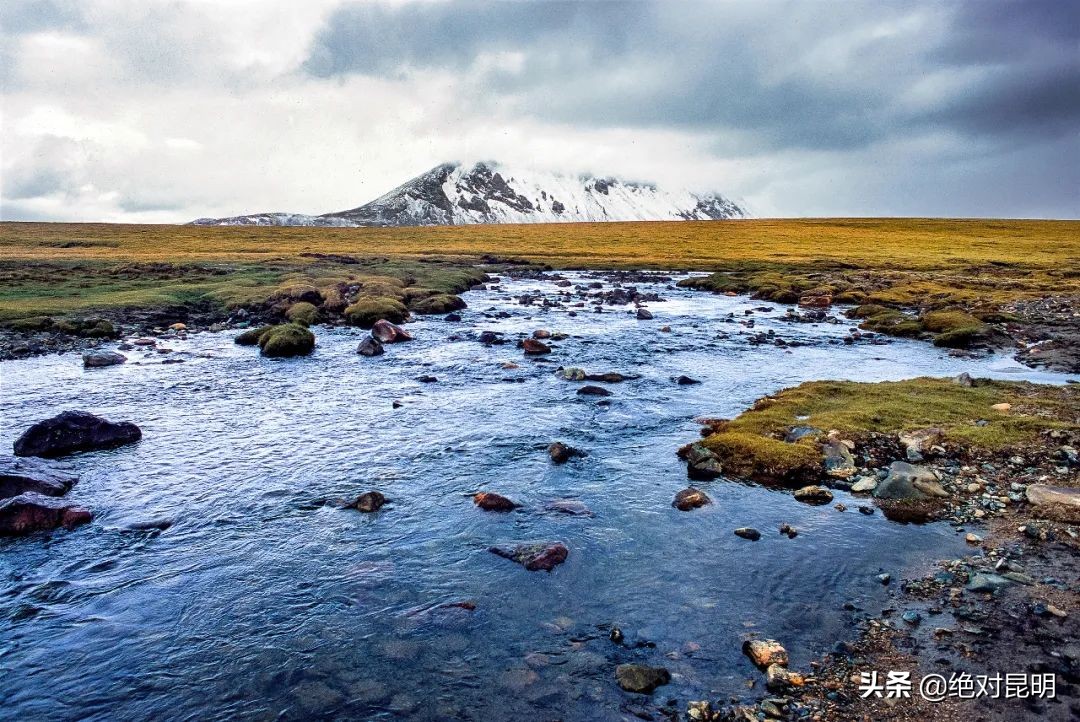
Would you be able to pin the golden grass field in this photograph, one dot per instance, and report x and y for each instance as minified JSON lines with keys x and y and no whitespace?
{"x":59,"y":268}
{"x":705,"y":245}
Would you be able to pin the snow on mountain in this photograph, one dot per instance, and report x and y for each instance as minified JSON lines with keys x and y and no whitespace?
{"x":454,"y":194}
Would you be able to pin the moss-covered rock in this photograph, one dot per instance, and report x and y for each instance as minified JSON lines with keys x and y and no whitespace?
{"x":443,"y":303}
{"x":286,"y":340}
{"x":955,"y":328}
{"x":764,"y":458}
{"x":29,"y":324}
{"x":369,"y":309}
{"x":303,"y":313}
{"x":251,"y":336}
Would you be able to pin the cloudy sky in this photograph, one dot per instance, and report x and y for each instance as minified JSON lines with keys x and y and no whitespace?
{"x":147,"y":111}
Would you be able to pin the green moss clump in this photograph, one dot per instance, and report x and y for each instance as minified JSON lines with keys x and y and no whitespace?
{"x":886,"y":320}
{"x":949,"y":320}
{"x":285,"y":340}
{"x":96,"y":328}
{"x":32,"y":323}
{"x":960,"y":337}
{"x":303,"y":313}
{"x":850,"y":296}
{"x":954,"y":328}
{"x":251,"y":336}
{"x":442,"y":303}
{"x":765,"y":458}
{"x":717,"y":283}
{"x":369,"y":309}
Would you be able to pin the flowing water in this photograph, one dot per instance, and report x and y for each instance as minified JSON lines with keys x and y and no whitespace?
{"x":264,"y":600}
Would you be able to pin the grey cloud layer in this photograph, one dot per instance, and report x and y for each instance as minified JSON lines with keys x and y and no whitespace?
{"x":811,"y":75}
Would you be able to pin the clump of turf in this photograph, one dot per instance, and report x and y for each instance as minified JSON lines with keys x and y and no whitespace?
{"x":955,"y":328}
{"x":303,"y":313}
{"x":442,"y":303}
{"x":369,"y":309}
{"x":286,"y":340}
{"x":765,"y":458}
{"x":251,"y":336}
{"x":886,"y":320}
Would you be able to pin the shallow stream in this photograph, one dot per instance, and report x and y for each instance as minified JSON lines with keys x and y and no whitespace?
{"x":263,"y":600}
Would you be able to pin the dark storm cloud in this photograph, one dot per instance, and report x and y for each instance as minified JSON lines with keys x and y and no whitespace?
{"x":783,"y":75}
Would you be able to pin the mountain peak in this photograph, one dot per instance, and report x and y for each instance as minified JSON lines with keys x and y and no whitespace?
{"x":488,"y":192}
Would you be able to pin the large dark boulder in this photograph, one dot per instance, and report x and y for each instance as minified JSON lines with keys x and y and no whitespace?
{"x":18,"y":476}
{"x":30,"y":512}
{"x":535,"y":557}
{"x":73,"y":431}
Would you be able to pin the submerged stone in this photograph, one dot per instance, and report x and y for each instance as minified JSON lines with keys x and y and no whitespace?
{"x":535,"y":557}
{"x":31,"y":512}
{"x":641,"y":678}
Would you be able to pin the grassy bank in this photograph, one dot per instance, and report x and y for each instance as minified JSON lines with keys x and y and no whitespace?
{"x":969,"y":417}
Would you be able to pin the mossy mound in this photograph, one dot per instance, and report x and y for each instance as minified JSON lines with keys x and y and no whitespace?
{"x":955,"y":328}
{"x":886,"y":320}
{"x":303,"y":313}
{"x":84,"y":327}
{"x":763,"y":458}
{"x":286,"y":340}
{"x":443,"y":303}
{"x":29,"y":324}
{"x":369,"y":309}
{"x":251,"y":336}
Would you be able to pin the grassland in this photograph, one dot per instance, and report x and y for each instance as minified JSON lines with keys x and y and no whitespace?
{"x":78,"y":269}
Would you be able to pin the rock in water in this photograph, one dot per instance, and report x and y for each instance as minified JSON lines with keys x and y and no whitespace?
{"x":560,"y":453}
{"x":813,"y":495}
{"x":690,"y":498}
{"x":18,"y":476}
{"x":686,"y":381}
{"x":641,"y":678}
{"x":702,"y":464}
{"x":906,"y":481}
{"x":369,"y":501}
{"x":748,"y":533}
{"x":765,"y":652}
{"x":535,"y":557}
{"x":535,"y":348}
{"x":644,"y":314}
{"x":370,"y":347}
{"x":593,"y":391}
{"x":385,"y":332}
{"x":571,"y":373}
{"x":609,"y":377}
{"x":490,"y":501}
{"x":778,"y":678}
{"x":73,"y":431}
{"x":100,"y":359}
{"x":30,"y":512}
{"x":573,"y":507}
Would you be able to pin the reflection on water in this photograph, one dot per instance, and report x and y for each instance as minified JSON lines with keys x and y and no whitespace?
{"x":262,"y":600}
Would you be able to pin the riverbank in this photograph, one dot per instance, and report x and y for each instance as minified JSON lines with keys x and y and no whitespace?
{"x":1012,"y":282}
{"x":996,"y":460}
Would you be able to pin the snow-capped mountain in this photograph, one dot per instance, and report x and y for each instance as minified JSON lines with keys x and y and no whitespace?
{"x":454,"y":194}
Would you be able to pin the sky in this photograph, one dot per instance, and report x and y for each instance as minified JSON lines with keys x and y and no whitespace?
{"x":150,"y":111}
